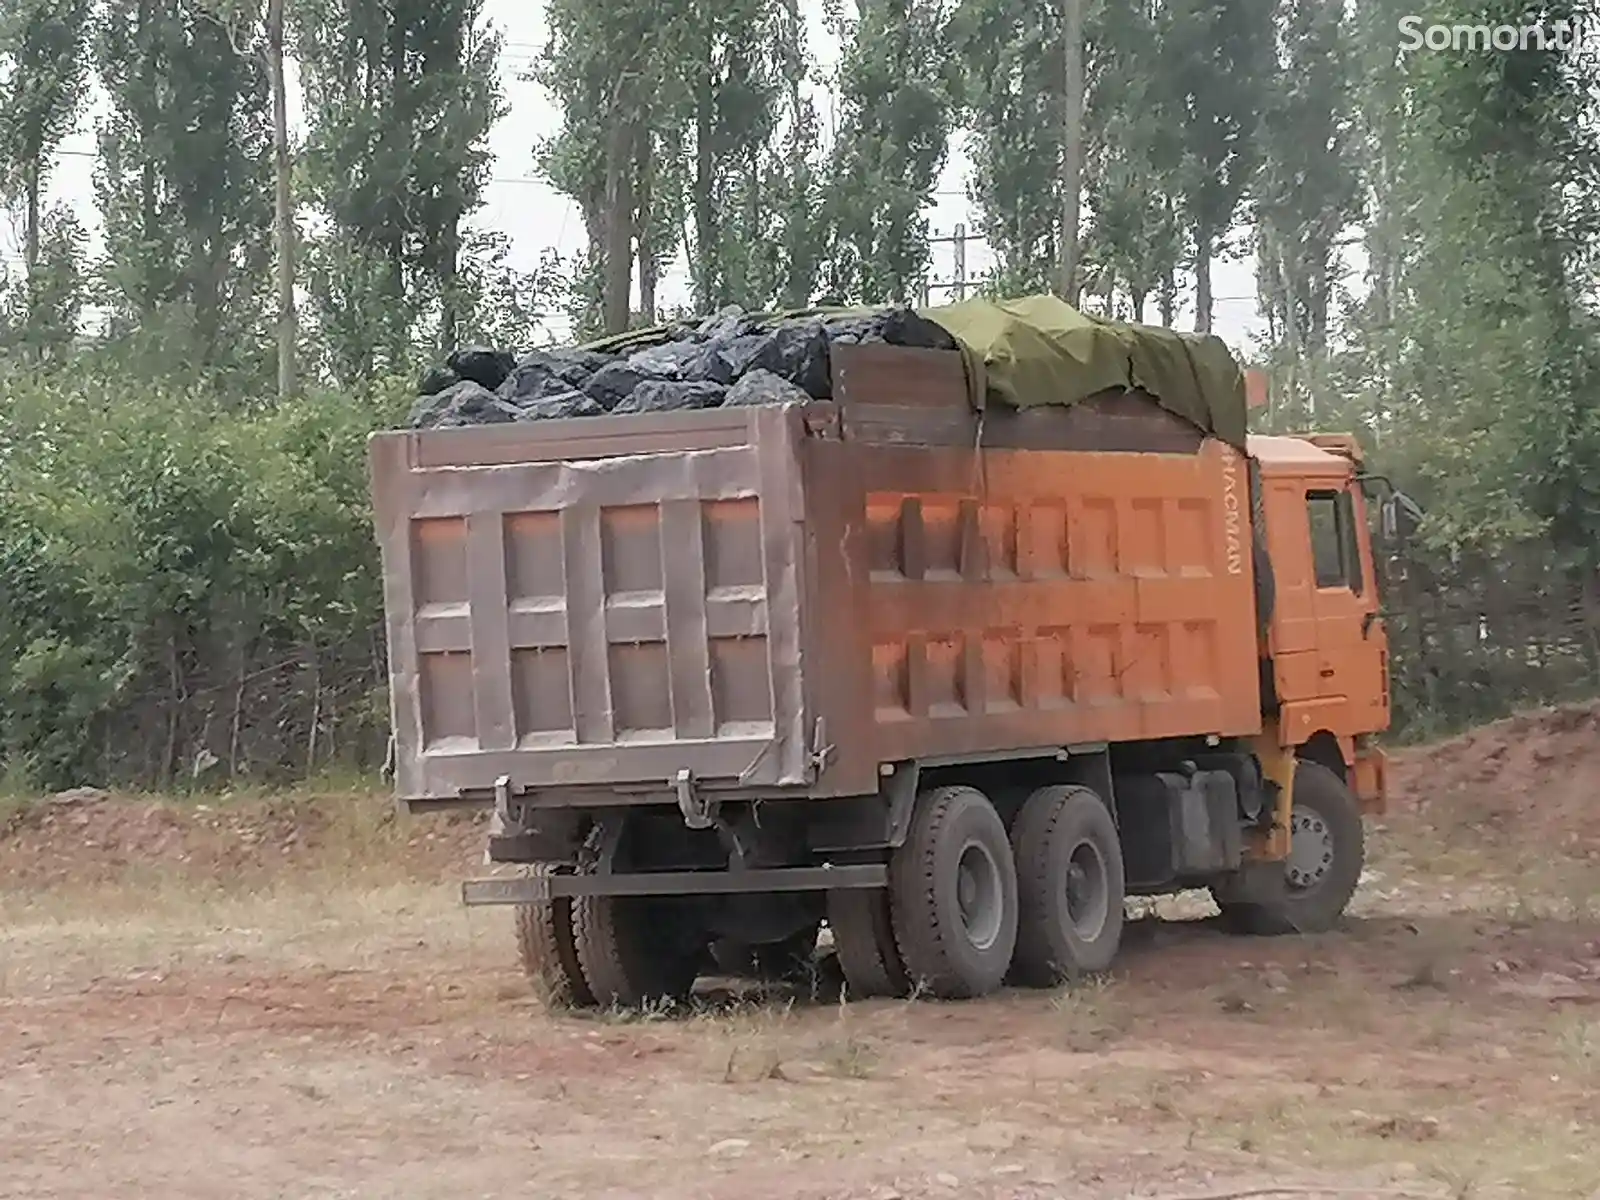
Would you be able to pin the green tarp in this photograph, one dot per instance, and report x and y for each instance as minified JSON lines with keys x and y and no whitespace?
{"x":1040,"y":350}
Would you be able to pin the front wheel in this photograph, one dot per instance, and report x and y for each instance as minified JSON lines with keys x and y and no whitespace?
{"x":1308,"y":892}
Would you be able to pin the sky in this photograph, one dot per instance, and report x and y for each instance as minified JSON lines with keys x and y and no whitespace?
{"x":536,"y":218}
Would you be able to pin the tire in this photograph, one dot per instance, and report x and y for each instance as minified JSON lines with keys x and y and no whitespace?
{"x":953,"y":895}
{"x":863,"y":940}
{"x":633,"y":951}
{"x":785,"y":961}
{"x":1327,"y":830}
{"x":1070,"y":886}
{"x":547,"y":951}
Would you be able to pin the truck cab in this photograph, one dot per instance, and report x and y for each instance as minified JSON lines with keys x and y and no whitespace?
{"x":1324,"y":647}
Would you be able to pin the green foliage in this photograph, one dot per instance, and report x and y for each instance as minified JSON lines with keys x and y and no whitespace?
{"x":169,"y":567}
{"x":42,"y":76}
{"x":897,"y":86}
{"x":1309,"y":186}
{"x":725,"y":160}
{"x":40,"y":313}
{"x":184,"y":181}
{"x":1011,"y":92}
{"x":400,"y":96}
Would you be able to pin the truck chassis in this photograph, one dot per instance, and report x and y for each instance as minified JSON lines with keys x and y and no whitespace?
{"x":954,"y":879}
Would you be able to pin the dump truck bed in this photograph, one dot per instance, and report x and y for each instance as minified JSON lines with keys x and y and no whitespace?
{"x":780,"y":600}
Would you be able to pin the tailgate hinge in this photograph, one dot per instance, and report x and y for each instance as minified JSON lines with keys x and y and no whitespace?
{"x":821,"y":748}
{"x":821,"y":421}
{"x":696,"y":808}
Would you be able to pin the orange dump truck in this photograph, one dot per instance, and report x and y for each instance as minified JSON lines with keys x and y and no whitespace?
{"x":950,"y":675}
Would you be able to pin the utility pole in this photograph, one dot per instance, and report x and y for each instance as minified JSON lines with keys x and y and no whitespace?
{"x":1072,"y":145}
{"x":283,"y":204}
{"x":961,"y":263}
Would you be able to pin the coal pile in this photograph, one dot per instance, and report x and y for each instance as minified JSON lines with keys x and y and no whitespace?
{"x":732,"y":358}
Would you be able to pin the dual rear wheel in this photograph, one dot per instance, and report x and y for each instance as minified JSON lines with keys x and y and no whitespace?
{"x":969,"y":904}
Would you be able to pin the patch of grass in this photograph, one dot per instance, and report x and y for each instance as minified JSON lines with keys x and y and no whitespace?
{"x":1471,"y":1153}
{"x":1579,"y":1042}
{"x":761,"y":1040}
{"x":177,"y":923}
{"x":1088,"y":1017}
{"x":18,"y":780}
{"x":850,"y":1056}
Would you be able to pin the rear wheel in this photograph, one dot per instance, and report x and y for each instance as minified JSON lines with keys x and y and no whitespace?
{"x":635,"y":950}
{"x":863,"y":940}
{"x":1308,"y":892}
{"x":953,"y":895}
{"x":547,"y":951}
{"x":1070,"y":885}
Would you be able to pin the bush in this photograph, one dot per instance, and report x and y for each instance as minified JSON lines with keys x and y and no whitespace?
{"x":185,"y":587}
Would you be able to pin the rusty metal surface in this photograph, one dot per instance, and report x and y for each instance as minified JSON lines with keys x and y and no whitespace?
{"x":1371,"y":780}
{"x":1060,"y":598}
{"x":891,"y":576}
{"x":567,"y":609}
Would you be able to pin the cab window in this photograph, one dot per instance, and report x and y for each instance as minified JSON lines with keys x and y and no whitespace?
{"x":1335,"y":552}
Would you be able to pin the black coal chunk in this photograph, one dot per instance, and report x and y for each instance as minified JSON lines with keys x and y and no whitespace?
{"x":663,"y":395}
{"x":482,"y":365}
{"x":798,"y":351}
{"x":709,"y":365}
{"x":558,"y":407}
{"x":551,"y":372}
{"x":612,"y":384}
{"x":896,"y":326}
{"x":763,"y":387}
{"x":436,"y":380}
{"x":736,"y":355}
{"x":464,"y":403}
{"x":731,"y":356}
{"x":426,"y":412}
{"x":666,"y":361}
{"x":905,"y":327}
{"x":726,"y":324}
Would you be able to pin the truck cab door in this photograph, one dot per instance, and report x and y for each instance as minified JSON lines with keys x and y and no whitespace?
{"x":1351,"y":644}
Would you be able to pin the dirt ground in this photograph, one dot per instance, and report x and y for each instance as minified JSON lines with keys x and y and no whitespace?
{"x":282,"y":998}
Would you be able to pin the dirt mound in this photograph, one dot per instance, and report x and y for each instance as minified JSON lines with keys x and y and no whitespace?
{"x":89,"y":836}
{"x":1528,"y":783}
{"x":1534,"y":777}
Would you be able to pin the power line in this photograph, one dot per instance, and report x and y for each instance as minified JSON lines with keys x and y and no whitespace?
{"x":526,"y":180}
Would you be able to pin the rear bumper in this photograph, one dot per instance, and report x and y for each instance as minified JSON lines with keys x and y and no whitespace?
{"x":538,"y":889}
{"x":730,"y":762}
{"x":1369,"y":776}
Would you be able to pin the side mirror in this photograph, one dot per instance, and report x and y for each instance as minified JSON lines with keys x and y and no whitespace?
{"x":1407,"y":514}
{"x":1398,"y":513}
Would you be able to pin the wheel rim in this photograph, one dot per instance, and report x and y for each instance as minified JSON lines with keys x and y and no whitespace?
{"x":979,"y":895}
{"x":1088,"y":893}
{"x":1310,"y":849}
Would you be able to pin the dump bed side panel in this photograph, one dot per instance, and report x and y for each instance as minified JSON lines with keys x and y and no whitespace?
{"x":1030,"y":598}
{"x":573,"y":608}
